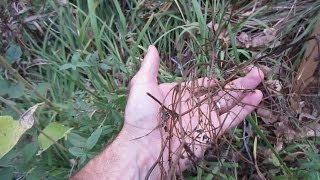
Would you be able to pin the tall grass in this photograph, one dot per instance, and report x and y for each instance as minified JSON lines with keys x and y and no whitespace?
{"x":91,"y":49}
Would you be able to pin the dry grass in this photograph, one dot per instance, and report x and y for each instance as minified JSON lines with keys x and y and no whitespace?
{"x":217,"y":39}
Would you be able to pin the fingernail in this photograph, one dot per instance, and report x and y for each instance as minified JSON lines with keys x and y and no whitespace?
{"x":149,"y":47}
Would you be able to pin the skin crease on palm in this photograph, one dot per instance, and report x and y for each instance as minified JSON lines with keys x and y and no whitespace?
{"x":141,"y":110}
{"x":141,"y":126}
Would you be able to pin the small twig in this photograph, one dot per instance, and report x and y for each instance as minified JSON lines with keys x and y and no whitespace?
{"x":163,"y":106}
{"x":172,"y":114}
{"x":155,"y":163}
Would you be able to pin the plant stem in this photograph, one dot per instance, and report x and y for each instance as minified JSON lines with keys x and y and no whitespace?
{"x":15,"y":74}
{"x":264,"y":138}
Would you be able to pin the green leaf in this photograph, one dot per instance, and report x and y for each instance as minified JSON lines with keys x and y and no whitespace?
{"x":67,"y":66}
{"x":4,"y":87}
{"x":16,"y":91}
{"x":274,"y":160}
{"x":105,"y":67}
{"x":53,"y":132}
{"x":93,"y":139}
{"x":81,"y":104}
{"x":9,"y":134}
{"x":77,"y":140}
{"x":82,"y":64}
{"x":29,"y":151}
{"x":75,"y":58}
{"x":13,"y":53}
{"x":38,"y":172}
{"x":116,"y":117}
{"x":11,"y":130}
{"x":42,"y":88}
{"x":6,"y":173}
{"x":107,"y":130}
{"x":92,"y":58}
{"x":82,"y":159}
{"x":76,"y":151}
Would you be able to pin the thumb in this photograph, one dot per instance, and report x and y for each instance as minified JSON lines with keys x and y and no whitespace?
{"x":148,"y":71}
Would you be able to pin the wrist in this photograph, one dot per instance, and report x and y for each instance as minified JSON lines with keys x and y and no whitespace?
{"x":122,"y":159}
{"x":148,"y":140}
{"x":137,"y":159}
{"x":145,"y":146}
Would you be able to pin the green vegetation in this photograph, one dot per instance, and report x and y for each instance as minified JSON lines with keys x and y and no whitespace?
{"x":78,"y":57}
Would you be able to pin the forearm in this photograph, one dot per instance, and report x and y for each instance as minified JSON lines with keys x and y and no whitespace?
{"x":123,"y":159}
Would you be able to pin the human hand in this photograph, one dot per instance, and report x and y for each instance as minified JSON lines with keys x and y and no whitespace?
{"x":174,"y":130}
{"x":194,"y":127}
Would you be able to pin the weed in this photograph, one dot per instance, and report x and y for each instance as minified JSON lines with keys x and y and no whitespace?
{"x":79,"y":56}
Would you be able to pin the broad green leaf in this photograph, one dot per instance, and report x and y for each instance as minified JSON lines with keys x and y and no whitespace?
{"x":76,"y":140}
{"x":29,"y":150}
{"x":38,"y":172}
{"x":82,"y":159}
{"x":93,"y":139}
{"x":75,"y":58}
{"x":105,"y":67}
{"x":4,"y":87}
{"x":92,"y":58}
{"x":52,"y":133}
{"x":9,"y":134}
{"x":81,"y":104}
{"x":11,"y":130}
{"x":13,"y":53}
{"x":116,"y":117}
{"x":42,"y":88}
{"x":82,"y":64}
{"x":76,"y":151}
{"x":6,"y":173}
{"x":107,"y":130}
{"x":67,"y":66}
{"x":16,"y":91}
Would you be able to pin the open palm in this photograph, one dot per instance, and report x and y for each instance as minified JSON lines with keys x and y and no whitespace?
{"x":144,"y":119}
